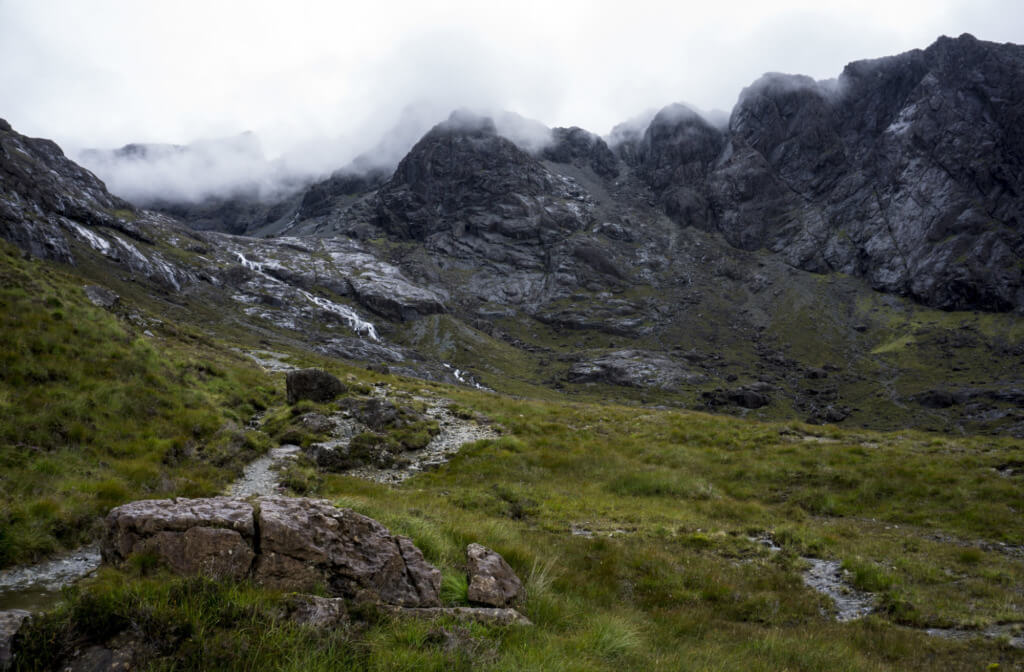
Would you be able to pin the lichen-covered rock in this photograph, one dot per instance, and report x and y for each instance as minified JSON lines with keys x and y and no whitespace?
{"x":213,"y":537}
{"x":318,"y":612}
{"x":491,"y":580}
{"x":305,"y":543}
{"x":312,"y":384}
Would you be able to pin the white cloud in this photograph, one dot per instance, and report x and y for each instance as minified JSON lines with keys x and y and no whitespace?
{"x":330,"y":77}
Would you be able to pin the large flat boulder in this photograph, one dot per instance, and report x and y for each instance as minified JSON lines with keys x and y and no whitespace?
{"x":286,"y":543}
{"x":213,"y":536}
{"x":306,"y":543}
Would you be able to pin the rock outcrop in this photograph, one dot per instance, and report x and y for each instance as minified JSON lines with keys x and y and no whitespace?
{"x":634,"y":368}
{"x":286,"y":543}
{"x":40,"y":189}
{"x":907,"y":171}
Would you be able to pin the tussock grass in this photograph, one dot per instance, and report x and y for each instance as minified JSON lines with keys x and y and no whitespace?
{"x":669,"y":579}
{"x":93,"y":412}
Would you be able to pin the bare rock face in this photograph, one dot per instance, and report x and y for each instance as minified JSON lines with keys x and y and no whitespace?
{"x":491,"y":580}
{"x":10,"y":623}
{"x":213,"y":536}
{"x":634,"y":368}
{"x":305,"y":543}
{"x":312,"y":384}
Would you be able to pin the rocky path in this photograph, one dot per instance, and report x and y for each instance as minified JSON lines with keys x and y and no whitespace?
{"x":260,"y":477}
{"x":455,"y":432}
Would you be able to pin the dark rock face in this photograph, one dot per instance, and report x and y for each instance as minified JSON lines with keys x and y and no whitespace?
{"x":491,"y":580}
{"x":313,"y":384}
{"x":464,"y":178}
{"x":675,"y":157}
{"x":907,"y":171}
{"x":569,"y":145}
{"x":40,"y":187}
{"x":286,"y":543}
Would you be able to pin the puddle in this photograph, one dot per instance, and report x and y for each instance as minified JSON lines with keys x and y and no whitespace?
{"x":37,"y":587}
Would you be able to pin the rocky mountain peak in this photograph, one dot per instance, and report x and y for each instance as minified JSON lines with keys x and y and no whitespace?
{"x":461,"y":170}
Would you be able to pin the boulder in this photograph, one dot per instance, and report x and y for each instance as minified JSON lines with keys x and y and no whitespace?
{"x":213,"y":537}
{"x":286,"y":543}
{"x":306,"y":543}
{"x":491,"y":580}
{"x":10,"y":623}
{"x":312,"y":384}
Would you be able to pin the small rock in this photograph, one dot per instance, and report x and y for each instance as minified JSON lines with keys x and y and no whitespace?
{"x":316,"y":423}
{"x":491,"y":580}
{"x":313,"y":384}
{"x":318,"y":612}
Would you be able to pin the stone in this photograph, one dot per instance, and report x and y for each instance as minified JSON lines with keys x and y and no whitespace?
{"x":299,"y":544}
{"x":318,"y":612}
{"x":313,"y":385}
{"x":10,"y":623}
{"x":101,"y":296}
{"x":214,"y":536}
{"x":317,"y":423}
{"x":491,"y":580}
{"x":306,"y":543}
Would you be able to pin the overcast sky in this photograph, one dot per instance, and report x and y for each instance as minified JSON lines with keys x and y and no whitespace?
{"x":103,"y":73}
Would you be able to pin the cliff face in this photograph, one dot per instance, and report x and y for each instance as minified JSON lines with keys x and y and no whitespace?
{"x":906,"y":171}
{"x":720,"y":264}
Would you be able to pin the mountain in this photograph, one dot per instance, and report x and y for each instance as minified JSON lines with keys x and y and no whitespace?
{"x":787,"y":264}
{"x":639,"y":369}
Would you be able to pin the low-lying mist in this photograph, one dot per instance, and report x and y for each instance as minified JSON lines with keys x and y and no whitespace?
{"x":237,"y":166}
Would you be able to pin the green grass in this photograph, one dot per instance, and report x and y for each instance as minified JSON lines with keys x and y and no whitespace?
{"x":93,"y":412}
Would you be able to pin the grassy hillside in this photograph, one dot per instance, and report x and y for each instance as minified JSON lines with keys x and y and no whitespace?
{"x":97,"y":409}
{"x":637,"y":530}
